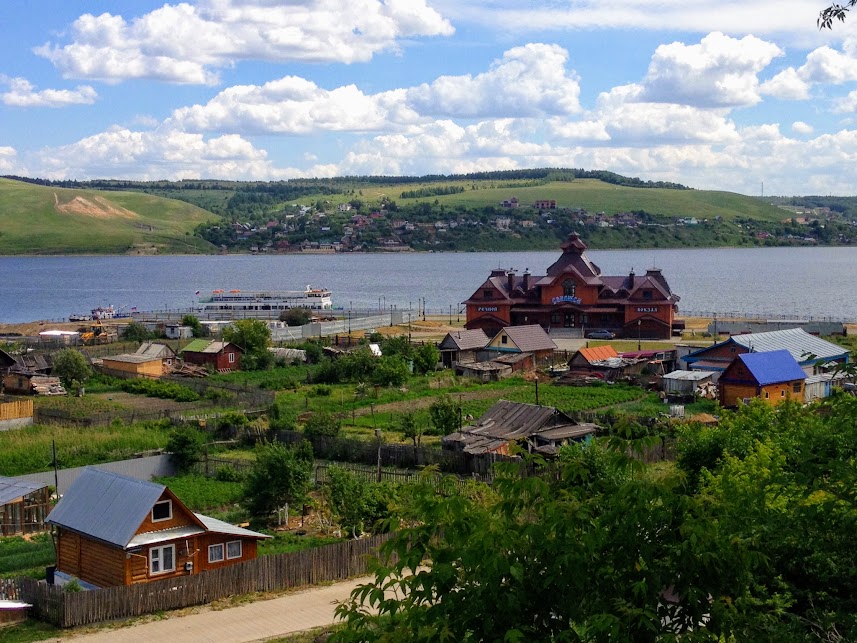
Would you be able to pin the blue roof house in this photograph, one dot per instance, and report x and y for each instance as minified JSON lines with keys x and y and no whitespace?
{"x":774,"y":376}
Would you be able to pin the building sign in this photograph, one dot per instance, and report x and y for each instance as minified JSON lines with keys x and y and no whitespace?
{"x":487,"y":309}
{"x":651,"y":309}
{"x":566,"y":299}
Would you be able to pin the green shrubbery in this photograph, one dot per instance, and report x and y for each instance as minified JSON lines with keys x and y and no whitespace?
{"x":160,"y":389}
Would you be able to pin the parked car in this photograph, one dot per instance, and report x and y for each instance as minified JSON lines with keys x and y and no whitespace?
{"x":600,"y":333}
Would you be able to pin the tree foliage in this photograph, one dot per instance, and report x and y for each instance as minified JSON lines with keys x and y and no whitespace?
{"x":750,"y":538}
{"x":426,"y":358}
{"x":254,"y":337}
{"x":444,"y":415}
{"x":192,"y":321}
{"x":357,"y":504}
{"x":71,"y":366}
{"x":322,"y":423}
{"x":185,"y":446}
{"x":296,"y":316}
{"x":834,"y":12}
{"x":280,"y":475}
{"x":136,"y":332}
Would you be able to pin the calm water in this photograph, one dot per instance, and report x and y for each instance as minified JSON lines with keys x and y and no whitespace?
{"x":796,"y":282}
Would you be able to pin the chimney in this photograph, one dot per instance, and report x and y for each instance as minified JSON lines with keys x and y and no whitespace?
{"x":511,"y":282}
{"x":527,"y":280}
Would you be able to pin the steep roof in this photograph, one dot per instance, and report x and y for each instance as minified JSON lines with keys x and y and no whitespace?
{"x":111,"y":507}
{"x":465,"y":340}
{"x":12,"y":489}
{"x":530,"y":338}
{"x":598,"y":353}
{"x":106,"y":506}
{"x":153,"y":349}
{"x":799,"y":343}
{"x":773,"y":367}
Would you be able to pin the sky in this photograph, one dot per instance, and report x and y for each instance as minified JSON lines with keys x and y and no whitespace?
{"x":746,"y":96}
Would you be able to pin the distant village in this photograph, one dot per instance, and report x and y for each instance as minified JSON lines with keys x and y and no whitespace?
{"x":322,"y":228}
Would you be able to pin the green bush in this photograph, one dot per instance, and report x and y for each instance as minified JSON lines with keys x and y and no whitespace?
{"x":322,"y":423}
{"x":322,"y":391}
{"x":225,"y":473}
{"x":159,"y":389}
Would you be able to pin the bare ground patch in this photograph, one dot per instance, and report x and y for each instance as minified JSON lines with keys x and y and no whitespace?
{"x":96,"y":206}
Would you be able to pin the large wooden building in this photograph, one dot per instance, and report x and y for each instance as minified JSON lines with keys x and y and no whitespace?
{"x":574,"y":294}
{"x":114,"y":530}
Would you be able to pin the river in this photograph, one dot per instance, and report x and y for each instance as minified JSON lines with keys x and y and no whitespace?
{"x":790,"y":282}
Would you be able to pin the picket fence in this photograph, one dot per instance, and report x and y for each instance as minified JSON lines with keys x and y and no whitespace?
{"x":265,"y":574}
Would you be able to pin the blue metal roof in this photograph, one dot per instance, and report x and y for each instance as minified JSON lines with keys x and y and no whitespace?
{"x":106,"y":506}
{"x":773,"y":367}
{"x":12,"y":489}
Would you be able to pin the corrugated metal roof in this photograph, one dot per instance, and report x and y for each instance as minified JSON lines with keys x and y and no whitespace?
{"x":796,"y":341}
{"x":219,"y":527}
{"x":107,"y":506}
{"x":692,"y":376}
{"x":164,"y":535}
{"x":465,"y":340}
{"x":12,"y":489}
{"x":773,"y":367}
{"x":131,"y":358}
{"x":598,"y":353}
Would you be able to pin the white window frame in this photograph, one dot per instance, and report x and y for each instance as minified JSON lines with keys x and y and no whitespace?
{"x":159,"y":558}
{"x":240,"y":549}
{"x":160,"y":502}
{"x":213,"y":548}
{"x":231,"y":358}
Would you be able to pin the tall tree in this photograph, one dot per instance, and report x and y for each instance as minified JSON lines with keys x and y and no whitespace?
{"x":71,"y":367}
{"x":281,"y":475}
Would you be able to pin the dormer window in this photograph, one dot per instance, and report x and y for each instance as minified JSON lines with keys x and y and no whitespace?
{"x":486,"y":294}
{"x":568,"y":288}
{"x":647,"y":294}
{"x":162,"y":510}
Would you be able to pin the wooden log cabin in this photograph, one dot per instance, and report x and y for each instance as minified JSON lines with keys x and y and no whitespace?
{"x":574,"y":294}
{"x":113,"y":530}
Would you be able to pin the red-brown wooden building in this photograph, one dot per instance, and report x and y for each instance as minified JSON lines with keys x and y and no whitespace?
{"x":574,"y":294}
{"x":220,"y":356}
{"x":113,"y":530}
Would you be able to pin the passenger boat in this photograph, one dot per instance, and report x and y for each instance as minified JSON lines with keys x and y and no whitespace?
{"x":267,"y":303}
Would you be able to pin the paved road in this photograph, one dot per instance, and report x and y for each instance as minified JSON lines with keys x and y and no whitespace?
{"x":258,"y":621}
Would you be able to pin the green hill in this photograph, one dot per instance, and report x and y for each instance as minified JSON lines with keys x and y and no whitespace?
{"x":36,"y":219}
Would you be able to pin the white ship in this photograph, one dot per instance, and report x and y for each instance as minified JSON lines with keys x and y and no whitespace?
{"x":264,"y":303}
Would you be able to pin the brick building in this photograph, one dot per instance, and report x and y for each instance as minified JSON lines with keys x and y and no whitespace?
{"x":574,"y":294}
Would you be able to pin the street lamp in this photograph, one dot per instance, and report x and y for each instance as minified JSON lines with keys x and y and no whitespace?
{"x":639,"y":326}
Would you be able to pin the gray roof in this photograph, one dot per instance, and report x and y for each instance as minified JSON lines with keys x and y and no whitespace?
{"x":509,"y":421}
{"x":131,"y":358}
{"x":111,"y":507}
{"x":155,"y":350}
{"x":106,"y":506}
{"x":530,"y":338}
{"x":12,"y":489}
{"x":796,"y":341}
{"x":691,"y":376}
{"x":465,"y":340}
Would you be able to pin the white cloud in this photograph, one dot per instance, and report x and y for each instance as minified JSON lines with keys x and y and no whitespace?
{"x":846,"y":104}
{"x":799,"y":127}
{"x":720,"y":71}
{"x":787,"y":85}
{"x":186,"y":44}
{"x":528,"y":81}
{"x":791,"y":18}
{"x":160,"y":154}
{"x":23,"y":94}
{"x":8,"y":159}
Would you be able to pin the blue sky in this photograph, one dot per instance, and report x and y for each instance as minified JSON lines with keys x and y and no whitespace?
{"x":726,"y":95}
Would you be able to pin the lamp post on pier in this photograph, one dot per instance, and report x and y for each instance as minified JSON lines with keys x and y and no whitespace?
{"x":639,"y":327}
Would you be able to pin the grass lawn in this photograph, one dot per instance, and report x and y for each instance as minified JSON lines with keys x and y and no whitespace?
{"x":203,"y":494}
{"x":30,"y":630}
{"x":287,"y":542}
{"x":26,"y":556}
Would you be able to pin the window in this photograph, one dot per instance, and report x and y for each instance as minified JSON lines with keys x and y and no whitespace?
{"x":568,"y":288}
{"x":162,"y":559}
{"x":767,"y":395}
{"x":215,"y":553}
{"x":486,"y":294}
{"x":504,"y":339}
{"x":233,"y":549}
{"x":783,"y":393}
{"x":162,"y":510}
{"x":647,"y":294}
{"x":555,"y":318}
{"x":231,"y":358}
{"x":796,"y":387}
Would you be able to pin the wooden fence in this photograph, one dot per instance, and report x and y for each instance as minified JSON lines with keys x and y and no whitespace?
{"x":265,"y":574}
{"x":16,"y":410}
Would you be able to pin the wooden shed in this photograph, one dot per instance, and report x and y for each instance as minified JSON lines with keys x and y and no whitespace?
{"x":774,"y":377}
{"x":23,"y":506}
{"x":522,"y":339}
{"x":221,"y":356}
{"x":133,"y":365}
{"x":15,"y":413}
{"x":113,"y":530}
{"x":462,"y":346}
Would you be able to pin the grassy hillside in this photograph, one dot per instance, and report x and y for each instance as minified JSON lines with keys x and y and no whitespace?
{"x":48,"y":220}
{"x":592,"y":195}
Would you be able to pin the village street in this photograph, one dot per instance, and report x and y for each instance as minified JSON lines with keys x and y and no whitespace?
{"x":257,"y":621}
